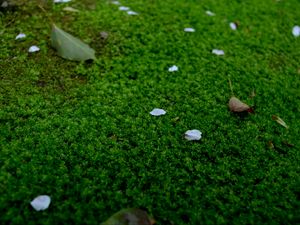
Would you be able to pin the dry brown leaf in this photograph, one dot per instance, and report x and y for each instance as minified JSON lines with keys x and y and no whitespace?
{"x":280,"y":121}
{"x":236,"y":105}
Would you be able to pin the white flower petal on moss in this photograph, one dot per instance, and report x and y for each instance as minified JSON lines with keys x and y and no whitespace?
{"x":173,"y":68}
{"x":233,"y":26}
{"x":193,"y":135}
{"x":20,"y":36}
{"x":115,"y":2}
{"x":209,"y":13}
{"x":41,"y":202}
{"x":158,"y":112}
{"x":124,"y":8}
{"x":33,"y":48}
{"x":189,"y":29}
{"x":132,"y":13}
{"x":296,"y":31}
{"x":218,"y":52}
{"x":61,"y":1}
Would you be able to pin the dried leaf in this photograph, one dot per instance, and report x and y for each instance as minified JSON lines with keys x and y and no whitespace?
{"x":280,"y":121}
{"x":129,"y":216}
{"x":70,"y":47}
{"x":236,"y":105}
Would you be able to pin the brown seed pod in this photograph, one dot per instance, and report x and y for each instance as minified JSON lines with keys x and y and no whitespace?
{"x":236,"y":105}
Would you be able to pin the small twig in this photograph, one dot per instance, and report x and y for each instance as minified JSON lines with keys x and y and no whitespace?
{"x":44,"y":11}
{"x":230,"y":85}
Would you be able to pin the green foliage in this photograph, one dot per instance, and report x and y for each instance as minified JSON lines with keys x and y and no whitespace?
{"x":82,"y":133}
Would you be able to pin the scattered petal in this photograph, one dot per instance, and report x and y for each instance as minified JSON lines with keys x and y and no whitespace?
{"x":193,"y":135}
{"x":189,"y":29}
{"x":70,"y":9}
{"x":4,"y":4}
{"x":41,"y":202}
{"x":158,"y":112}
{"x":20,"y":36}
{"x":131,"y":217}
{"x":233,"y":26}
{"x":33,"y":48}
{"x":296,"y":31}
{"x":61,"y":1}
{"x":209,"y":13}
{"x":132,"y":13}
{"x":104,"y":35}
{"x":115,"y":2}
{"x":124,"y":8}
{"x":173,"y":68}
{"x":218,"y":52}
{"x":236,"y":105}
{"x":280,"y":121}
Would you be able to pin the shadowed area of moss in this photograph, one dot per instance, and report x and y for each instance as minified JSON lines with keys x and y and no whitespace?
{"x":82,"y":133}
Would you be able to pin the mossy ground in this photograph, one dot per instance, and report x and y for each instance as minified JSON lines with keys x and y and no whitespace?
{"x":82,"y":132}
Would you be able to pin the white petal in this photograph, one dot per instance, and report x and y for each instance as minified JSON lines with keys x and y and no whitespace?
{"x":124,"y":8}
{"x":296,"y":31}
{"x":4,"y":4}
{"x":158,"y":112}
{"x":61,"y":1}
{"x":210,"y":13}
{"x":41,"y":202}
{"x":233,"y":26}
{"x":70,"y":9}
{"x":193,"y":135}
{"x":132,"y":13}
{"x":21,"y":35}
{"x":218,"y":52}
{"x":173,"y":68}
{"x":34,"y":49}
{"x":189,"y":29}
{"x":115,"y":2}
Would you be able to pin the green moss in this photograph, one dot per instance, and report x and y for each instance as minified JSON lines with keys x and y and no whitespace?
{"x":82,"y":132}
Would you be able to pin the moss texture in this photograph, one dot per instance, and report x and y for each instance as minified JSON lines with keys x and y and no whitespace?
{"x":82,"y":132}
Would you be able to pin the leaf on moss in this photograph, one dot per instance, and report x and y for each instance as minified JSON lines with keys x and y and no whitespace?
{"x":280,"y":121}
{"x":70,"y":47}
{"x":131,"y":216}
{"x":236,"y":105}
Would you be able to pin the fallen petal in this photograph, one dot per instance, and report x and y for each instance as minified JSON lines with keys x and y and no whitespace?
{"x":173,"y":68}
{"x":132,"y":13}
{"x":209,"y":13}
{"x":34,"y":49}
{"x":236,"y":105}
{"x":124,"y":8}
{"x":21,"y":35}
{"x":158,"y":112}
{"x":41,"y":202}
{"x":296,"y":31}
{"x":189,"y":29}
{"x":115,"y":2}
{"x":193,"y":135}
{"x":61,"y":1}
{"x":218,"y":52}
{"x":70,"y":9}
{"x":233,"y":26}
